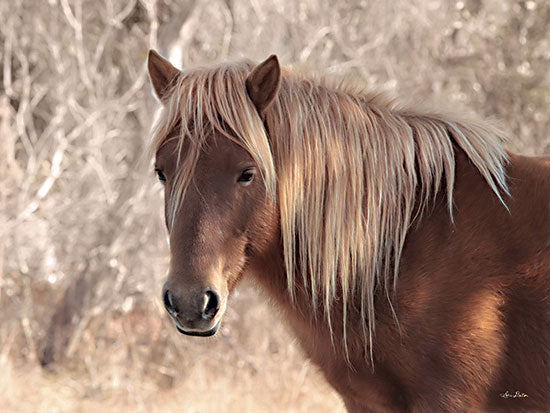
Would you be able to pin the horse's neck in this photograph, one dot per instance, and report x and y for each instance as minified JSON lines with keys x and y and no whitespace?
{"x":269,"y":271}
{"x":482,"y":230}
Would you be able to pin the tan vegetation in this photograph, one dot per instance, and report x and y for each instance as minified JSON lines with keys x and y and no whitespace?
{"x":84,"y":255}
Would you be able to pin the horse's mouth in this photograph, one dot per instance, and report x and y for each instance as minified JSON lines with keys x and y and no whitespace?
{"x":207,"y":333}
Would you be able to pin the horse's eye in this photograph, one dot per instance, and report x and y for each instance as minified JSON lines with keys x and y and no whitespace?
{"x":246,"y":176}
{"x":160,"y":175}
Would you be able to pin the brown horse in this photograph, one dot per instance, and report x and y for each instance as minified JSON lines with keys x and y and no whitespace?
{"x":409,"y":252}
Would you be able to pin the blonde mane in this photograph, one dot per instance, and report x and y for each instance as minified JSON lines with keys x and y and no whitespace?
{"x":350,"y":171}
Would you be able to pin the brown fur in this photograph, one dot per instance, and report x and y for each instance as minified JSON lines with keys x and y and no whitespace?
{"x":472,"y":304}
{"x":466,"y":324}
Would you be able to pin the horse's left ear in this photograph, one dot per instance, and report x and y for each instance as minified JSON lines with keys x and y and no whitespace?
{"x":262,"y":84}
{"x":161,"y":73}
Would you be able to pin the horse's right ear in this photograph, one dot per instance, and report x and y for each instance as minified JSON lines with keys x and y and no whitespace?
{"x":161,"y":73}
{"x":262,"y":84}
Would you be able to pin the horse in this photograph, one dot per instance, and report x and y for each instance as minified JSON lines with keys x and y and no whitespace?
{"x":406,"y":248}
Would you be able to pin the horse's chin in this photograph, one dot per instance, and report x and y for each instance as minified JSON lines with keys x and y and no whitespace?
{"x":206,"y":333}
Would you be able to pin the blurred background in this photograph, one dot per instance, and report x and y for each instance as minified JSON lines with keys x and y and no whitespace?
{"x":83,"y":249}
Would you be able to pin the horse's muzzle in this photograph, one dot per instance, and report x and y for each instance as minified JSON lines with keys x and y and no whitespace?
{"x":195,"y":314}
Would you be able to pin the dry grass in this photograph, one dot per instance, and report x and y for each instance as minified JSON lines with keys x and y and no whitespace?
{"x":256,"y":368}
{"x":84,"y":253}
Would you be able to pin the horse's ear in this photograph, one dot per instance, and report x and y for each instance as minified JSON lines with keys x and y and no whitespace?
{"x":262,"y":84}
{"x":161,"y":73}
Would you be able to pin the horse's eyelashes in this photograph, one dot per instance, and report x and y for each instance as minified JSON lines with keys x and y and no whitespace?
{"x":160,"y":175}
{"x":246,"y":176}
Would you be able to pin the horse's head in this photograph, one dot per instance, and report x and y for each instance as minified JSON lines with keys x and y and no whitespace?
{"x":221,"y":222}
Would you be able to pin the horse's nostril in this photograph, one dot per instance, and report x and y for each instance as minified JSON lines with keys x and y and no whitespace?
{"x":211,"y":305}
{"x":169,"y":304}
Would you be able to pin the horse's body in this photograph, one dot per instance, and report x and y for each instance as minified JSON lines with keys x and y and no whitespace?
{"x":472,"y":303}
{"x":465,"y":326}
